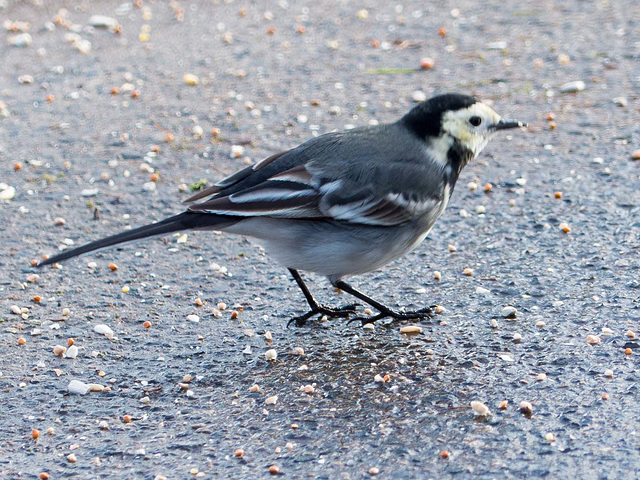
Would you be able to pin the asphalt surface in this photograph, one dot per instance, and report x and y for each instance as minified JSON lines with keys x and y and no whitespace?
{"x":77,"y":128}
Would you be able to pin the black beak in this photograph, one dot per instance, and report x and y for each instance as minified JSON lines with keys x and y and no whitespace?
{"x":505,"y":124}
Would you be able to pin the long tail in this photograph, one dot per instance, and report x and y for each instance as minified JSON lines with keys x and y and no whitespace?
{"x":182,"y":221}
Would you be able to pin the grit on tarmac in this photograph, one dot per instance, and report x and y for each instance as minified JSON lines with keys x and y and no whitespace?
{"x":108,"y":126}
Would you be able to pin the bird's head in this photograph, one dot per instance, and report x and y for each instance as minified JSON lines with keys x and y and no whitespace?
{"x":464,"y":119}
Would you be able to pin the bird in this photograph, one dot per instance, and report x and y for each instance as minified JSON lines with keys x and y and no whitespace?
{"x":344,"y":203}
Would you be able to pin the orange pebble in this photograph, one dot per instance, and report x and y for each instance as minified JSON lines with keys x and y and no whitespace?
{"x":17,"y":166}
{"x":628,"y":351}
{"x":301,"y":29}
{"x":605,"y":396}
{"x":155,"y":177}
{"x":36,"y":299}
{"x":155,"y":148}
{"x":234,"y":314}
{"x":445,"y":453}
{"x":169,"y":137}
{"x":127,"y":418}
{"x":239,"y":452}
{"x":375,"y":43}
{"x":115,"y":91}
{"x":135,"y":94}
{"x":442,"y":32}
{"x":274,"y":470}
{"x":22,"y":341}
{"x":488,"y":187}
{"x":271,"y":31}
{"x":550,"y":117}
{"x":147,"y":324}
{"x":50,"y":98}
{"x":113,"y":267}
{"x":558,"y":194}
{"x":33,"y":263}
{"x":35,"y":433}
{"x":44,"y":476}
{"x":71,"y":341}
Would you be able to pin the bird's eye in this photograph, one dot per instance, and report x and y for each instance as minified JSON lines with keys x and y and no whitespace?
{"x":475,"y":121}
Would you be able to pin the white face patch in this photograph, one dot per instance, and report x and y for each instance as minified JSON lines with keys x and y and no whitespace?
{"x":473,"y":137}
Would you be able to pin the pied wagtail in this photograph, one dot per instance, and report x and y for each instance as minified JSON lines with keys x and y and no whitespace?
{"x":344,"y":203}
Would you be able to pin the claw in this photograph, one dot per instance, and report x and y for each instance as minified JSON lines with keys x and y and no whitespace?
{"x":342,"y":312}
{"x":422,"y":313}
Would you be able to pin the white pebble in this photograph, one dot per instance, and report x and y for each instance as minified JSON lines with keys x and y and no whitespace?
{"x":480,"y":409}
{"x":271,"y":355}
{"x":573,"y":87}
{"x":271,"y":400}
{"x":419,"y":96}
{"x":482,"y":291}
{"x":481,"y":209}
{"x":7,"y":193}
{"x":20,"y":40}
{"x":72,"y":352}
{"x":182,"y":238}
{"x":621,"y":101}
{"x":608,"y":373}
{"x":472,"y":186}
{"x":104,"y":330}
{"x":102,"y":21}
{"x":193,"y":318}
{"x":509,"y":312}
{"x":78,"y":387}
{"x":237,"y":151}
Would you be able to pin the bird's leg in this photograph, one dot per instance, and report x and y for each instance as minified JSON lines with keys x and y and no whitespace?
{"x":316,"y":308}
{"x":383,"y":309}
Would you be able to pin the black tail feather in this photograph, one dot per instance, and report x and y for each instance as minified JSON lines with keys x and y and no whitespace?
{"x":182,"y":221}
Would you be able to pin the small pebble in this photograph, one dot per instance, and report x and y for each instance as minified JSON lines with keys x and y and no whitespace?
{"x":427,"y":63}
{"x":437,"y":276}
{"x":503,"y":404}
{"x":59,"y":350}
{"x":608,"y":373}
{"x":104,"y":330}
{"x":573,"y":87}
{"x":78,"y":387}
{"x":274,"y":470}
{"x":193,"y":318}
{"x":517,"y":337}
{"x":628,"y":351}
{"x":308,"y":389}
{"x":550,"y":437}
{"x":593,"y":339}
{"x":526,"y":407}
{"x":494,"y":323}
{"x":509,"y":312}
{"x":7,"y":193}
{"x":190,"y":79}
{"x":298,"y":351}
{"x":71,"y":458}
{"x":271,"y":354}
{"x":635,"y":155}
{"x":255,"y":388}
{"x":541,"y":377}
{"x":630,"y":334}
{"x":419,"y":96}
{"x":182,"y":239}
{"x":125,"y":289}
{"x":102,"y":21}
{"x":271,"y":400}
{"x":72,"y":352}
{"x":564,"y":226}
{"x":440,"y":309}
{"x":374,"y":471}
{"x":411,"y":329}
{"x":480,"y":409}
{"x":621,"y":101}
{"x":472,"y":186}
{"x":237,"y":151}
{"x":369,"y":326}
{"x":468,"y":272}
{"x":445,"y":454}
{"x":481,"y":209}
{"x":21,"y":40}
{"x":239,"y":452}
{"x":482,"y":291}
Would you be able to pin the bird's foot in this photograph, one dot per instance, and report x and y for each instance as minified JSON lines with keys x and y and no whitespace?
{"x":342,"y":312}
{"x":427,"y":312}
